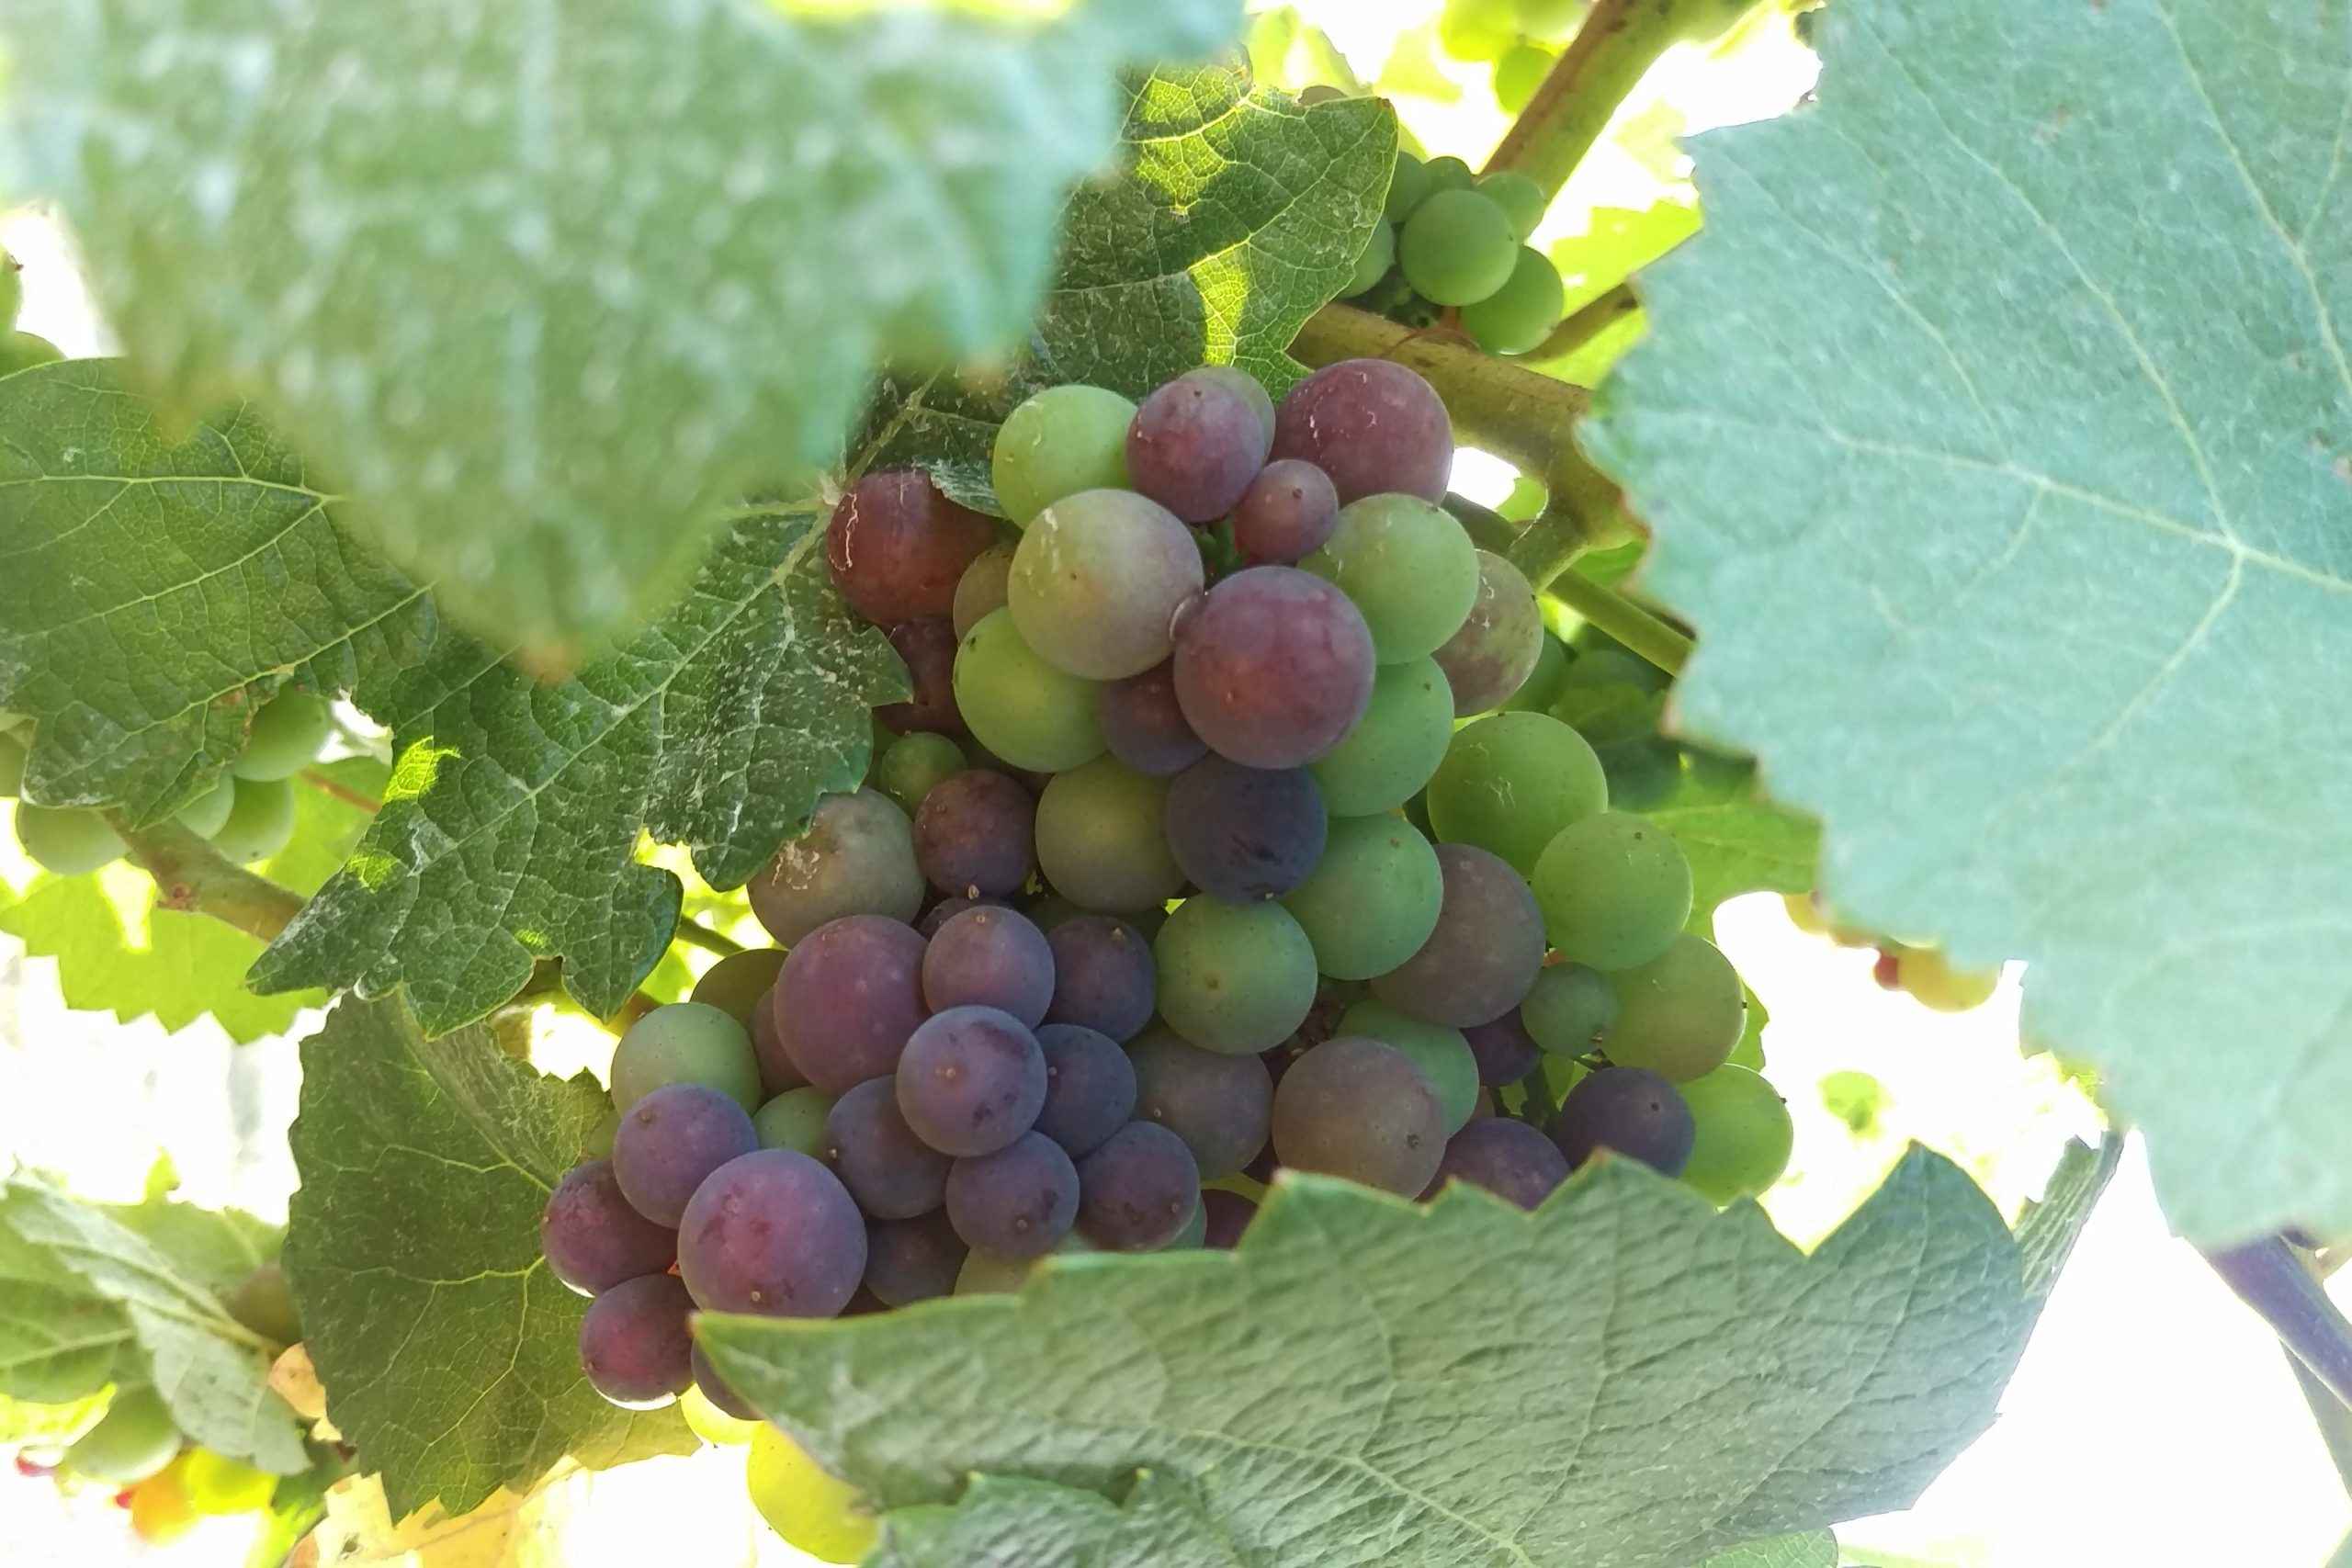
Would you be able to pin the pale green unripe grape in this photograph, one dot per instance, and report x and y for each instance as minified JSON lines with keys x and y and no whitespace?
{"x":1550,"y":18}
{"x":209,"y":812}
{"x":1442,"y":1054}
{"x":794,"y":1120}
{"x":1680,"y":1014}
{"x":66,"y":840}
{"x":1519,"y":315}
{"x":1395,"y":747}
{"x":132,"y":1441}
{"x":1510,"y":782}
{"x":739,"y":982}
{"x":1569,"y":1010}
{"x":711,"y":1424}
{"x":12,"y":767}
{"x":1742,"y":1135}
{"x":12,"y":287}
{"x":807,"y":1504}
{"x":1520,"y":72}
{"x":1476,"y":29}
{"x":22,"y":351}
{"x":1541,"y":687}
{"x":985,"y":1273}
{"x":686,"y":1042}
{"x":1021,"y":707}
{"x":1448,"y":173}
{"x":1372,"y":900}
{"x":1614,"y":889}
{"x":260,"y":821}
{"x":984,"y":587}
{"x":1406,"y":187}
{"x":285,"y":735}
{"x":1234,"y":977}
{"x":1408,"y":566}
{"x":1457,"y":247}
{"x":1379,"y":254}
{"x":911,"y":764}
{"x":1098,"y":580}
{"x":1063,"y":440}
{"x":1522,"y":199}
{"x":1102,"y":840}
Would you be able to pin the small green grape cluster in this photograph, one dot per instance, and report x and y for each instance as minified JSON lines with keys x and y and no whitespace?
{"x":18,"y":350}
{"x":1518,"y":37}
{"x":1930,"y":978}
{"x":1451,"y":239}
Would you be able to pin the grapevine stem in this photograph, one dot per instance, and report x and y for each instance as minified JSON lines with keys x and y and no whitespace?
{"x":358,"y":799}
{"x":1588,"y":322}
{"x":1639,"y":630}
{"x":2269,"y":1278}
{"x":192,"y":876}
{"x":1620,"y":40}
{"x":695,"y":934}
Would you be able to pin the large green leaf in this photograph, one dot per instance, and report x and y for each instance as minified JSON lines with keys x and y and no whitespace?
{"x":543,"y":285}
{"x":1624,"y":1379}
{"x":1813,"y":1549}
{"x":510,"y":830}
{"x":1997,"y":433}
{"x":61,"y":1341}
{"x":414,"y":1248}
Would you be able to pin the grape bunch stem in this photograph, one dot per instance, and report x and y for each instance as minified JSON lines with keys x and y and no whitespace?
{"x":191,"y":875}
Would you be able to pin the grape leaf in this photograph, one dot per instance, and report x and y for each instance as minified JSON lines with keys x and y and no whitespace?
{"x":2015,"y":523}
{"x":1736,"y":838}
{"x":211,"y":1249}
{"x":61,"y":1341}
{"x":543,"y":286}
{"x":1625,"y":1379}
{"x":450,"y":1352}
{"x":510,"y":830}
{"x":1012,"y":1519}
{"x":1814,"y":1548}
{"x":2048,"y":1230}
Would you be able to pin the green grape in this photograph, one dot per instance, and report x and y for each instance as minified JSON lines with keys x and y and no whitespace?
{"x":686,"y":1042}
{"x":1519,"y":71}
{"x":1101,"y":838}
{"x":1379,"y":255}
{"x":598,"y":1142}
{"x":12,"y":767}
{"x":1406,"y":186}
{"x":1569,"y":1010}
{"x":711,"y":1424}
{"x":1234,"y":977}
{"x":1522,"y":199}
{"x":1098,"y":580}
{"x":263,"y":1303}
{"x":794,"y":1120}
{"x":739,"y":982}
{"x":1510,"y":782}
{"x":1442,"y":1054}
{"x":1543,"y":683}
{"x":22,"y":351}
{"x":913,"y":763}
{"x":1605,"y":664}
{"x":1476,"y":29}
{"x":1928,"y":976}
{"x":1614,"y":889}
{"x":12,"y":287}
{"x":1409,"y":569}
{"x":1743,"y":1134}
{"x":986,"y":585}
{"x":1680,"y":1013}
{"x":135,"y":1438}
{"x":1448,"y":173}
{"x":219,"y":1484}
{"x":66,"y":840}
{"x":807,"y":1504}
{"x":1550,"y":18}
{"x":1395,"y":747}
{"x":209,"y":812}
{"x":260,"y":821}
{"x":285,"y":735}
{"x":1063,"y":440}
{"x":1021,"y":707}
{"x":1372,"y":900}
{"x":1194,"y":1236}
{"x":1520,"y":314}
{"x":1457,"y":247}
{"x":985,"y":1273}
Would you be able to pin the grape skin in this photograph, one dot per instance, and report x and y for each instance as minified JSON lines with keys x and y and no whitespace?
{"x":1510,"y":1160}
{"x":67,"y":841}
{"x":285,"y":737}
{"x":1442,"y":1054}
{"x":1356,"y":1108}
{"x":897,"y":545}
{"x":913,"y":1261}
{"x":1139,"y":1190}
{"x":858,"y":858}
{"x":775,"y":1233}
{"x":1234,"y":977}
{"x":592,"y":1238}
{"x":1518,"y":316}
{"x":1220,"y":1105}
{"x":1103,"y":977}
{"x":794,"y":1119}
{"x":1373,"y":898}
{"x":1286,"y":514}
{"x":260,"y":821}
{"x":992,"y":958}
{"x":1195,"y":443}
{"x":1274,"y":667}
{"x":1018,"y":705}
{"x":1243,"y":833}
{"x":948,"y":908}
{"x":1569,"y":1010}
{"x":1016,"y":1203}
{"x":635,"y":1344}
{"x":1742,"y":1134}
{"x":972,"y":1080}
{"x":1482,"y":957}
{"x":850,"y":995}
{"x":1099,"y":839}
{"x":1090,"y":1087}
{"x":1372,"y":425}
{"x":1061,"y":441}
{"x":1099,"y":580}
{"x":928,"y":646}
{"x":810,"y":1508}
{"x":739,"y":982}
{"x":891,"y":1173}
{"x":684,"y":1042}
{"x":1395,"y":747}
{"x":1505,"y":1051}
{"x":1496,"y":650}
{"x":1144,"y":725}
{"x":1408,"y":566}
{"x":1629,"y":1111}
{"x":976,"y":832}
{"x":670,"y":1140}
{"x":1614,"y":889}
{"x":1679,"y":1015}
{"x":134,"y":1439}
{"x":204,"y":816}
{"x":984,"y":587}
{"x":913,"y":765}
{"x":777,"y":1070}
{"x":1510,"y":782}
{"x":1457,"y":247}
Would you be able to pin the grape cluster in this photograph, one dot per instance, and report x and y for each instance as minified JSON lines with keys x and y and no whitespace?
{"x":20,"y":350}
{"x":1448,"y":238}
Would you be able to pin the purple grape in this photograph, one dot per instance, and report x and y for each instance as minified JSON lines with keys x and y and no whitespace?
{"x":1137,"y":1191}
{"x":893,"y":1174}
{"x":1510,"y":1160}
{"x":635,"y":1344}
{"x":1497,"y":647}
{"x":858,"y":858}
{"x":1482,"y":958}
{"x":977,"y":832}
{"x":1194,"y":445}
{"x":972,"y":1080}
{"x":1286,"y":514}
{"x":897,"y":546}
{"x":990,"y":958}
{"x":1144,"y":725}
{"x":592,"y":1238}
{"x":1221,"y":1106}
{"x":913,"y":1261}
{"x":1017,"y":1202}
{"x":1104,"y":975}
{"x":1228,"y":1215}
{"x":849,"y":996}
{"x":1627,"y":1110}
{"x":718,"y":1392}
{"x":778,"y":1072}
{"x":672,"y":1139}
{"x":953,"y":905}
{"x":773,"y":1233}
{"x":1506,"y":1052}
{"x":1243,"y":833}
{"x":1356,"y":1108}
{"x":929,"y":648}
{"x":1090,"y":1087}
{"x":1275,"y":667}
{"x":1373,"y":425}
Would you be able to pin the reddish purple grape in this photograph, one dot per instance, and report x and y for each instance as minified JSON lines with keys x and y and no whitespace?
{"x":635,"y":1344}
{"x":1506,"y":1052}
{"x":1228,"y":1215}
{"x":913,"y":1261}
{"x":893,"y":1174}
{"x":1496,"y":650}
{"x":1220,"y":1105}
{"x":990,"y":958}
{"x":1145,"y":726}
{"x":1628,"y":1111}
{"x":1137,"y":1191}
{"x":897,"y":546}
{"x":1016,"y":1203}
{"x":717,"y":1390}
{"x":673,"y":1138}
{"x":929,"y":648}
{"x":773,"y":1233}
{"x":1090,"y":1087}
{"x":1275,"y":667}
{"x":1356,"y":1108}
{"x":850,"y":995}
{"x":778,"y":1072}
{"x":1286,"y":514}
{"x":592,"y":1236}
{"x":1510,"y":1160}
{"x":1373,"y":425}
{"x":1482,"y":958}
{"x":972,"y":1080}
{"x":858,"y":858}
{"x":977,"y":832}
{"x":1105,"y":977}
{"x":948,"y":908}
{"x":1194,"y":445}
{"x":1243,"y":833}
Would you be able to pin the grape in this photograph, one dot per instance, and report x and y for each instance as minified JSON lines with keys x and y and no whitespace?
{"x":1395,"y":747}
{"x":977,"y":833}
{"x":1442,"y":1054}
{"x":1541,"y":687}
{"x":1220,"y":1104}
{"x":1372,"y":425}
{"x":1476,"y":29}
{"x":1457,"y":247}
{"x":1016,"y":1203}
{"x":132,"y":1441}
{"x":913,"y":764}
{"x":850,"y":995}
{"x":897,"y":545}
{"x":1679,"y":1014}
{"x":23,"y":350}
{"x":635,"y":1344}
{"x":1287,"y":513}
{"x":285,"y":737}
{"x":1741,"y":1135}
{"x":260,"y":821}
{"x":597,"y":1142}
{"x":1275,"y":667}
{"x":1224,"y":1216}
{"x":591,"y":1236}
{"x":67,"y":841}
{"x":1928,"y":976}
{"x":1090,"y":1087}
{"x":1406,"y":187}
{"x":778,"y":1072}
{"x":1495,"y":650}
{"x":1522,"y":199}
{"x":948,"y":908}
{"x":1242,"y":385}
{"x":1062,"y":441}
{"x":670,"y":1140}
{"x":1193,"y":1236}
{"x":686,"y":1042}
{"x":1379,"y":254}
{"x":811,"y":1509}
{"x":263,"y":1303}
{"x":1409,"y":568}
{"x":893,"y":1174}
{"x":1483,"y":954}
{"x":1243,"y":833}
{"x":928,"y":646}
{"x":1144,"y":725}
{"x":1519,"y":315}
{"x":1518,"y":74}
{"x":1101,"y":841}
{"x":1610,"y":664}
{"x":1139,"y":1190}
{"x":1550,"y":18}
{"x":775,"y":1233}
{"x":991,"y":958}
{"x":1448,"y":173}
{"x":984,"y":587}
{"x":858,"y":858}
{"x":1234,"y":977}
{"x":1018,"y":705}
{"x":1356,"y":1108}
{"x":219,"y":1484}
{"x":1197,"y":442}
{"x":1371,"y":901}
{"x":913,"y":1260}
{"x":730,"y":1404}
{"x":1103,"y":977}
{"x":1503,"y":1049}
{"x":1100,"y":580}
{"x":739,"y":984}
{"x":1510,"y":782}
{"x":972,"y":1081}
{"x":1570,"y":1009}
{"x":1614,"y":890}
{"x":794,"y":1119}
{"x":983,"y":1273}
{"x":1627,"y":1110}
{"x":1510,"y":1160}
